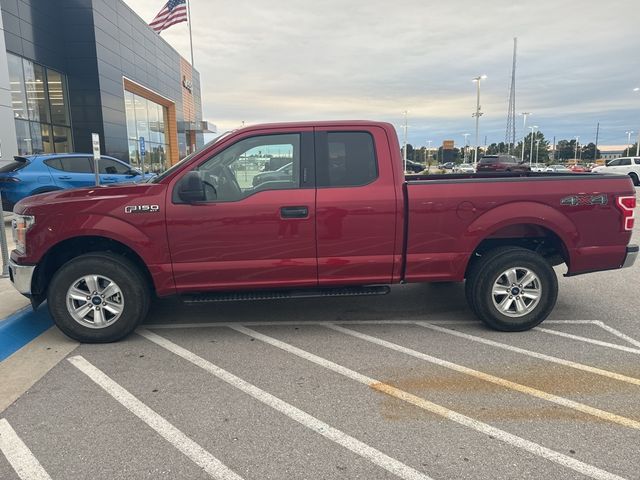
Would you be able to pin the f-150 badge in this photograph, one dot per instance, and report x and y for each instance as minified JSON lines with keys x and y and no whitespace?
{"x":142,"y":208}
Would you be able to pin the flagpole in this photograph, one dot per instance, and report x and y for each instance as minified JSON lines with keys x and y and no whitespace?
{"x":190,"y":35}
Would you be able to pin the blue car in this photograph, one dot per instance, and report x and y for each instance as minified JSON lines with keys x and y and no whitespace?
{"x":34,"y":174}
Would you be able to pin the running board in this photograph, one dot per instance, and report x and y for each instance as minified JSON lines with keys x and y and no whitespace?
{"x":282,"y":294}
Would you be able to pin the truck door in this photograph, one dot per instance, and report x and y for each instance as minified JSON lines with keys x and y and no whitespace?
{"x":356,"y":207}
{"x":248,"y":234}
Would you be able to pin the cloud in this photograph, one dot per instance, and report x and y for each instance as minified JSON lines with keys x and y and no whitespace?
{"x":286,"y":60}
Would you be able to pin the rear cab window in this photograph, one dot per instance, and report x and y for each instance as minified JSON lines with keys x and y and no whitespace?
{"x":345,"y":159}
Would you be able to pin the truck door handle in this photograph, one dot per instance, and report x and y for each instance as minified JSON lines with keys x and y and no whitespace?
{"x":64,"y":178}
{"x":294,"y":212}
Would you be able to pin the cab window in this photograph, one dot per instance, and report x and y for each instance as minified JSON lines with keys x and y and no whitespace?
{"x":252,"y":165}
{"x":345,"y":159}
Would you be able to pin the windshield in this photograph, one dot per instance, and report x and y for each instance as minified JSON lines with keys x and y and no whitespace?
{"x":173,"y":168}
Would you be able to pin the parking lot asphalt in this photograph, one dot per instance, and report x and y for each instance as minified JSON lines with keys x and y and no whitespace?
{"x":408,"y":385}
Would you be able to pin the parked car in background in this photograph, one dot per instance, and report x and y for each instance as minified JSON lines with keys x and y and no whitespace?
{"x":538,"y":167}
{"x":414,"y":167}
{"x":283,"y":173}
{"x":623,"y":165}
{"x":448,"y":165}
{"x":558,"y":169}
{"x":34,"y":174}
{"x":465,"y":168}
{"x":579,"y":168}
{"x":501,"y":163}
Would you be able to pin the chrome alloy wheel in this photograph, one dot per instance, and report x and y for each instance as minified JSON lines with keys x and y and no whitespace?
{"x":516,"y":292}
{"x":95,"y":301}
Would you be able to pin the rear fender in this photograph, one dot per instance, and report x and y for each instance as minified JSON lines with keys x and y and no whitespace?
{"x":530,"y":213}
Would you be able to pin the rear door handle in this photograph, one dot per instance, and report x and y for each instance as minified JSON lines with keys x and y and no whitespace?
{"x":294,"y":212}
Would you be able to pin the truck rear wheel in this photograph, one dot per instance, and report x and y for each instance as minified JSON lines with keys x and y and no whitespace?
{"x":98,"y":298}
{"x":511,"y":289}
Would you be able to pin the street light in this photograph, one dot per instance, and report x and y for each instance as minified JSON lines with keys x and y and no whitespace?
{"x":637,"y":89}
{"x":575,"y":152}
{"x":524,"y":135}
{"x":477,"y":79}
{"x":533,"y":129}
{"x":404,"y":149}
{"x":628,"y":140}
{"x":466,"y":144}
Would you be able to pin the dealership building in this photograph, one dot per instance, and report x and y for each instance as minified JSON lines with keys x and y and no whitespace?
{"x":70,"y":68}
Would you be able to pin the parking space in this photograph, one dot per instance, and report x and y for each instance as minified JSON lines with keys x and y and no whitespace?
{"x":339,"y":399}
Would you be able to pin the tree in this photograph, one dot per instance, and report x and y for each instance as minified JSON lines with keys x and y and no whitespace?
{"x":540,"y":148}
{"x":588,"y":153}
{"x":565,"y":149}
{"x":631,"y":150}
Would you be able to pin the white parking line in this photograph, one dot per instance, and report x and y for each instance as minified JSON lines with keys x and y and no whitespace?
{"x":356,"y":446}
{"x":513,"y":440}
{"x":171,"y":434}
{"x":18,"y":454}
{"x":565,"y":402}
{"x":541,"y":356}
{"x":589,"y":340}
{"x":342,"y":322}
{"x":618,"y":334}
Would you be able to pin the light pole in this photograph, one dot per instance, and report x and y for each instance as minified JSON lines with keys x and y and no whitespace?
{"x":533,"y":129}
{"x":575,"y":152}
{"x":466,"y":145}
{"x":628,"y":140}
{"x":524,"y":135}
{"x":537,"y":149}
{"x":637,"y":89}
{"x":428,"y":150}
{"x":477,"y":79}
{"x":404,"y":149}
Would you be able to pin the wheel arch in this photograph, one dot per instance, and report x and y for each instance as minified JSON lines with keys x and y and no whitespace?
{"x":544,"y":230}
{"x":71,"y":248}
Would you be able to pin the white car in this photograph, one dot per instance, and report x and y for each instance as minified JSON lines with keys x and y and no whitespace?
{"x":558,"y":169}
{"x":538,"y":167}
{"x":623,"y":165}
{"x":465,"y":168}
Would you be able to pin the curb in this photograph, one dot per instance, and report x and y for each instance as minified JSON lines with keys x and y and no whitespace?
{"x":21,"y":327}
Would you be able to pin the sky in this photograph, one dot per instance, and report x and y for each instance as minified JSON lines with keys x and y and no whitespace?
{"x":283,"y":60}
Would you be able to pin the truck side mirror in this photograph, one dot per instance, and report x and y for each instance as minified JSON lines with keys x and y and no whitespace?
{"x":191,"y":188}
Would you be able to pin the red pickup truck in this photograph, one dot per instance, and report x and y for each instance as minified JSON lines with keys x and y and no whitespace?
{"x":339,"y":217}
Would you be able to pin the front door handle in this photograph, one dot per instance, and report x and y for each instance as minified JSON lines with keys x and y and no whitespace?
{"x":294,"y":212}
{"x":64,"y":178}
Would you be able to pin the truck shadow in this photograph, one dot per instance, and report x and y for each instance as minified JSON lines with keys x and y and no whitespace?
{"x":445,"y":301}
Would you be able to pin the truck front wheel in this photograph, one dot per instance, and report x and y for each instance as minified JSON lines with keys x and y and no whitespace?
{"x":511,"y":289}
{"x":98,"y":297}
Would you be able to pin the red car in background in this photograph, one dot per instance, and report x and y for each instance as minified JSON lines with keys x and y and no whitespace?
{"x":579,"y":168}
{"x":501,"y":163}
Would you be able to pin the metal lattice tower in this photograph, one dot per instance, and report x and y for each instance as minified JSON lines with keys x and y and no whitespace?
{"x":510,"y":134}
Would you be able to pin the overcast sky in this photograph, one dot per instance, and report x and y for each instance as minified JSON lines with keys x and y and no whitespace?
{"x":283,"y":60}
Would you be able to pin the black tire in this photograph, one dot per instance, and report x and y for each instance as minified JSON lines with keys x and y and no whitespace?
{"x":634,"y":179}
{"x":124,"y":273}
{"x":486,"y":270}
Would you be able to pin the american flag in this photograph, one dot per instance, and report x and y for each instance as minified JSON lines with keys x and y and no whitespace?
{"x":174,"y":11}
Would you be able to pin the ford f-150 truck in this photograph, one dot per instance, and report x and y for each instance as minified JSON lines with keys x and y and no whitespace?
{"x":345,"y":221}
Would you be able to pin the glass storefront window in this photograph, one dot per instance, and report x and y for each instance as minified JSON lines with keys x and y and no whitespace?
{"x":37,"y":98}
{"x":39,"y":94}
{"x":16,"y":79}
{"x":62,"y":139}
{"x":56,"y":83}
{"x":146,"y":119}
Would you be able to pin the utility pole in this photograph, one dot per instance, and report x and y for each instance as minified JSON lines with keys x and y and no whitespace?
{"x":595,"y":151}
{"x":510,"y":134}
